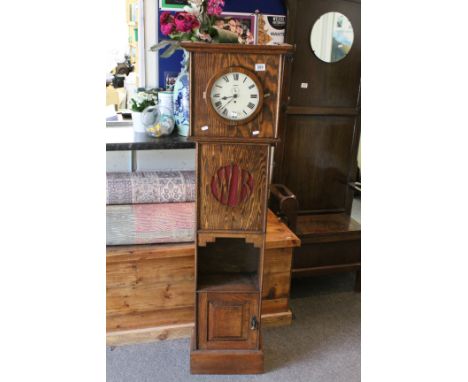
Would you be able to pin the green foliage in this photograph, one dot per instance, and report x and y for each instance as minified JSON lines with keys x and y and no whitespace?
{"x":143,"y":99}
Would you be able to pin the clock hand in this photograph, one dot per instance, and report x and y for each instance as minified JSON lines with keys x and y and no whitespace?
{"x":227,"y":103}
{"x":226,"y":97}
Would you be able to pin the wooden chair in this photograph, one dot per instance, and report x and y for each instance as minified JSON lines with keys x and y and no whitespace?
{"x":316,"y":161}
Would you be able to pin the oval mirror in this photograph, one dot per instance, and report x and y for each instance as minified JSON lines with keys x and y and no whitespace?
{"x":332,"y":37}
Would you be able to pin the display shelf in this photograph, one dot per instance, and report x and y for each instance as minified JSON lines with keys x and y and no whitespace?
{"x":124,"y":138}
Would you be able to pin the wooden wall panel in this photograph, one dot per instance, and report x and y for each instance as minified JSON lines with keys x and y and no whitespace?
{"x":319,"y":148}
{"x":330,"y":84}
{"x":320,"y":132}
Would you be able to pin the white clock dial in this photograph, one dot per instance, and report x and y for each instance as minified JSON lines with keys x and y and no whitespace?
{"x":235,"y":96}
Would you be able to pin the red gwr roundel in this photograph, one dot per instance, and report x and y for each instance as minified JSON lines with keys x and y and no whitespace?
{"x":231,"y":185}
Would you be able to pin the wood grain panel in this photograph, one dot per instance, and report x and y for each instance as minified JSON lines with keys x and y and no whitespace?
{"x":204,"y":237}
{"x":329,"y":84}
{"x":173,"y":317}
{"x":270,"y":79}
{"x":276,"y":305}
{"x":323,"y":146}
{"x":250,"y":215}
{"x":278,"y":234}
{"x":131,"y":299}
{"x":163,"y":333}
{"x":181,"y":330}
{"x":226,"y":322}
{"x":159,"y":317}
{"x":277,"y":319}
{"x":124,"y":253}
{"x":242,"y":306}
{"x":322,"y":254}
{"x":226,"y":362}
{"x":277,"y":260}
{"x":145,"y":272}
{"x":276,"y":285}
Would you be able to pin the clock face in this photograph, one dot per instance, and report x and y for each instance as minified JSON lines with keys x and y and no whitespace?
{"x":235,"y":96}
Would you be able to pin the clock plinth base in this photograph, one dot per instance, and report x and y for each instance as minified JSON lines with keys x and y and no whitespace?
{"x":226,"y":361}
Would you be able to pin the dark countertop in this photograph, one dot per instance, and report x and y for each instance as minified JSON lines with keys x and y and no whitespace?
{"x":124,"y":138}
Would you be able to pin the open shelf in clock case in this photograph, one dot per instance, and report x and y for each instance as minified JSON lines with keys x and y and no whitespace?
{"x":228,"y":265}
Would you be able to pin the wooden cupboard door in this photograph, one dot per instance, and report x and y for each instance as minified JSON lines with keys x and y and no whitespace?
{"x":228,"y":320}
{"x":232,"y":186}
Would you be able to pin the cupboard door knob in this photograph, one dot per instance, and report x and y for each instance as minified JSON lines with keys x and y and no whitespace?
{"x":253,"y":323}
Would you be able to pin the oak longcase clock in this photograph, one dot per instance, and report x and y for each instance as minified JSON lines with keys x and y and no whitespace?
{"x":235,"y":97}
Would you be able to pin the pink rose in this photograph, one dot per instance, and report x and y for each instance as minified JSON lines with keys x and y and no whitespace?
{"x":167,"y":23}
{"x":167,"y":29}
{"x":215,"y":7}
{"x":165,"y":17}
{"x":185,"y":22}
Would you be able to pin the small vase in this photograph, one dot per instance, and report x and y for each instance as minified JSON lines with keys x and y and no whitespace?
{"x":166,"y":100}
{"x":158,"y":120}
{"x":138,"y":125}
{"x":181,"y":99}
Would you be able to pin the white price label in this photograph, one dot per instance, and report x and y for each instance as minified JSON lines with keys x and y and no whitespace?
{"x":260,"y":67}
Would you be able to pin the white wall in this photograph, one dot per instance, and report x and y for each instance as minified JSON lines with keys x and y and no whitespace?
{"x":116,"y":34}
{"x":151,"y":160}
{"x":151,"y":38}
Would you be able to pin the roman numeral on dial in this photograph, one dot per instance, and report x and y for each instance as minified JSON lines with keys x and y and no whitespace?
{"x":252,"y":86}
{"x":254,"y":96}
{"x":218,"y":104}
{"x":225,"y":78}
{"x":251,"y":105}
{"x":236,"y":76}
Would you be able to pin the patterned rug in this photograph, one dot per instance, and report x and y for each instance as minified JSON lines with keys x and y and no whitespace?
{"x":150,"y":187}
{"x":150,"y":223}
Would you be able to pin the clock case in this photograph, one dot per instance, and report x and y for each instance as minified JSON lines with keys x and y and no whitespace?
{"x":233,"y":172}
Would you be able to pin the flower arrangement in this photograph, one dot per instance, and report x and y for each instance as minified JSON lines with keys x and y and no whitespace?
{"x":196,"y":23}
{"x":141,"y":100}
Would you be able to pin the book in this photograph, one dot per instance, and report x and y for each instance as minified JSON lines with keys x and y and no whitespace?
{"x":271,"y":29}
